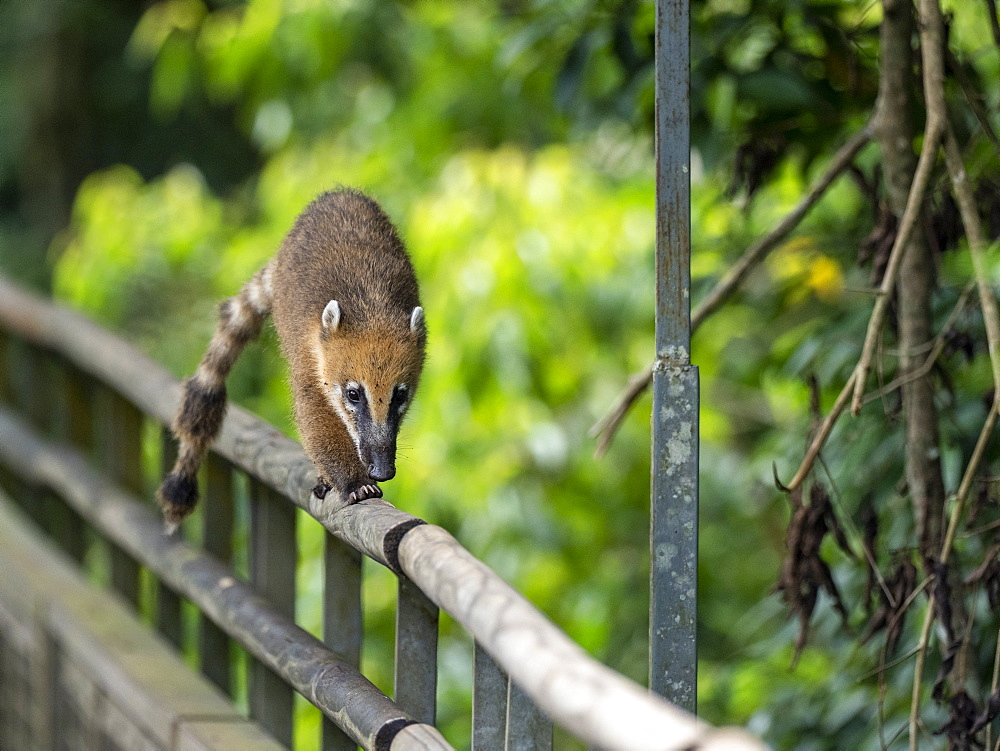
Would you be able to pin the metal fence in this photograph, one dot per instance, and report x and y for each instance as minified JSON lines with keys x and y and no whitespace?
{"x":79,"y":407}
{"x":79,"y":671}
{"x":82,"y":409}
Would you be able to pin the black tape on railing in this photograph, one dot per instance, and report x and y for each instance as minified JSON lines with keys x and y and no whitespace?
{"x":551,"y":669}
{"x":339,"y":690}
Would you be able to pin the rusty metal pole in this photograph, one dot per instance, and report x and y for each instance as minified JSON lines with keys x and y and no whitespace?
{"x":674,"y":513}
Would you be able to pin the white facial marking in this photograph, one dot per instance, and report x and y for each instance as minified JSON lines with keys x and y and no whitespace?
{"x":319,"y":361}
{"x":331,"y":315}
{"x":336,"y":398}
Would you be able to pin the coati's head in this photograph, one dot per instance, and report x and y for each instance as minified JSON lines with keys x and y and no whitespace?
{"x":369,"y":373}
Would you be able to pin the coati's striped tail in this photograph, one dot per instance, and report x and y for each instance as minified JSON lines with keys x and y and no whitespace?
{"x":203,"y":401}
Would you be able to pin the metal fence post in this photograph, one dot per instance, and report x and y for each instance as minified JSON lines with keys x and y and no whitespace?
{"x":674,"y":507}
{"x":217,"y":540}
{"x":74,"y":416}
{"x":121,"y":444}
{"x":527,"y":728}
{"x":342,"y":620}
{"x":169,"y":619}
{"x":415,"y":684}
{"x":489,"y":703}
{"x":273,"y":560}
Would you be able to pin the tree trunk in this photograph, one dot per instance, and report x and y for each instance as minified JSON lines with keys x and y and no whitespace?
{"x":894,"y":129}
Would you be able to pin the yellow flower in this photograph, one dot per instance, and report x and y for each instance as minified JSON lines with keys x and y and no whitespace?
{"x":825,"y":278}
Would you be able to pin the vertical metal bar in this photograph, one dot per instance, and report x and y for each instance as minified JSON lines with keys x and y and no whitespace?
{"x":40,"y":391}
{"x":674,"y":506}
{"x":342,"y":623}
{"x":16,"y":374}
{"x":213,"y":644}
{"x":673,"y":180}
{"x":527,"y":728}
{"x":44,"y":391}
{"x":6,"y":383}
{"x":26,"y":401}
{"x":78,"y":393}
{"x":273,"y":558}
{"x":75,"y":426}
{"x":415,"y":685}
{"x":489,"y":703}
{"x":124,"y":575}
{"x":64,"y":524}
{"x":122,"y":441}
{"x":30,"y":385}
{"x":168,"y":604}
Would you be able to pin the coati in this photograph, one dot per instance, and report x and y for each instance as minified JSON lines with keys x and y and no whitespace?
{"x":345,"y":303}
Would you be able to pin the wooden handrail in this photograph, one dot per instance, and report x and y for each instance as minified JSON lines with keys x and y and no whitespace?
{"x":588,"y":699}
{"x":339,"y":690}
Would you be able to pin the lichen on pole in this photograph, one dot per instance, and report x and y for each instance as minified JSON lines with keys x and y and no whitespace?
{"x":674,"y":503}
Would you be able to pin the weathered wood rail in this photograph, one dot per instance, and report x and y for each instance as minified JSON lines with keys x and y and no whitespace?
{"x":79,"y":671}
{"x":77,"y":402}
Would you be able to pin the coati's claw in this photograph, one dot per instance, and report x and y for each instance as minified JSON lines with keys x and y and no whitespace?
{"x":321,"y":489}
{"x":365,"y":492}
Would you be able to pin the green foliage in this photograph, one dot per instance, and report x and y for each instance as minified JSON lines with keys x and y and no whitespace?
{"x":512,"y":146}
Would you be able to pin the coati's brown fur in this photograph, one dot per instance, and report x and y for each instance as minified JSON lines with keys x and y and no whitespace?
{"x":345,"y":303}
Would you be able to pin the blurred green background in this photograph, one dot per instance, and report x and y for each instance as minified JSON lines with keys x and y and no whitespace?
{"x":153,"y":154}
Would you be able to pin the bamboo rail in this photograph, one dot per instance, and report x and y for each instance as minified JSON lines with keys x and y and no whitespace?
{"x":589,"y":700}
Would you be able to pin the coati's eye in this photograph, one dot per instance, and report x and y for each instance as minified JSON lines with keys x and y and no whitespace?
{"x":354,"y":396}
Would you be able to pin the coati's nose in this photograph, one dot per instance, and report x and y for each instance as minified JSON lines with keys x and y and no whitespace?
{"x":382,"y":473}
{"x":383,"y":466}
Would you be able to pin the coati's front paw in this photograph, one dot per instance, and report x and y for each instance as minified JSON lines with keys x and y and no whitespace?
{"x":321,"y":489}
{"x":364,"y":492}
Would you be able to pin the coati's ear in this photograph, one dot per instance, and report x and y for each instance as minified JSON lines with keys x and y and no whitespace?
{"x":417,"y":320}
{"x":331,"y":316}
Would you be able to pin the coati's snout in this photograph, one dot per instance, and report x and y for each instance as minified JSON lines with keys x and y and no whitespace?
{"x":369,"y":374}
{"x":372,"y":426}
{"x":382,"y":463}
{"x":376,"y":433}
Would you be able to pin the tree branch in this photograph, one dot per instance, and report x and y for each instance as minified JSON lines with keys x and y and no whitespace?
{"x":993,"y":687}
{"x":605,"y":428}
{"x":932,"y":46}
{"x":822,"y":433}
{"x":915,"y":283}
{"x":732,"y":279}
{"x":891,"y":126}
{"x":937,"y":347}
{"x":977,"y":250}
{"x":973,"y":97}
{"x":991,"y":12}
{"x":723,"y":289}
{"x":949,"y":540}
{"x":826,"y":427}
{"x":921,"y":179}
{"x":931,"y":49}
